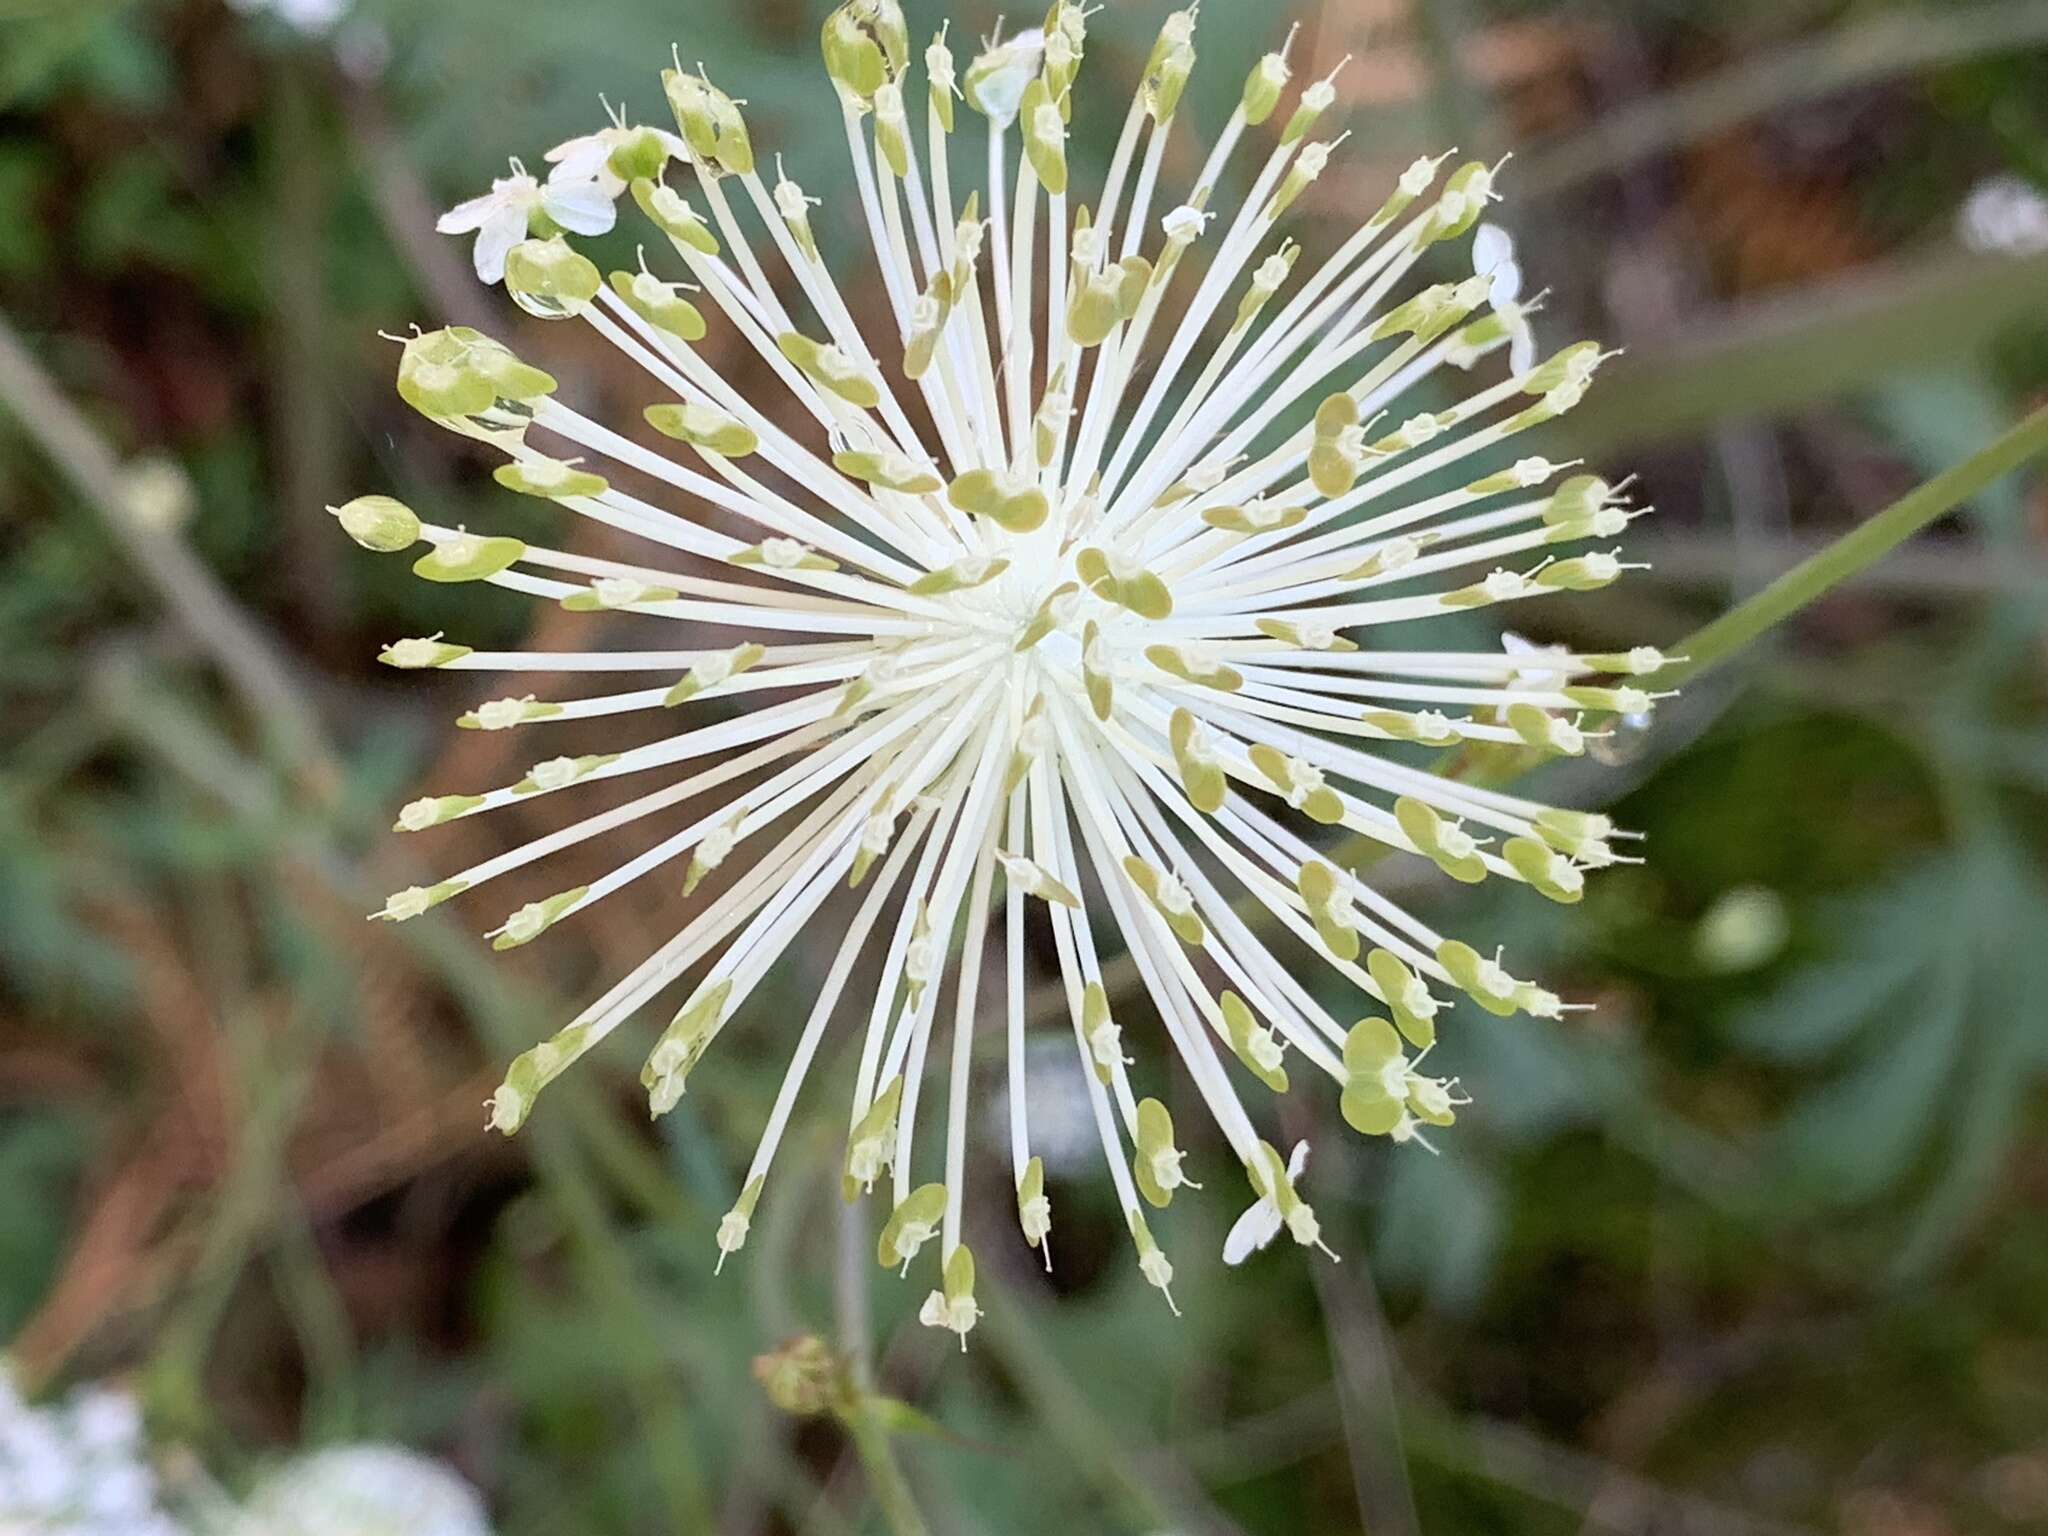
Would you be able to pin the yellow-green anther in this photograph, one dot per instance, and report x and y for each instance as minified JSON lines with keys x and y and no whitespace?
{"x":432,"y":810}
{"x":892,"y":130}
{"x":659,"y":304}
{"x":1451,"y":847}
{"x":891,"y":471}
{"x":1406,"y":995}
{"x":703,"y":426}
{"x":1049,"y":422}
{"x":1433,"y":311}
{"x":1045,"y":137}
{"x":1619,"y":701}
{"x":1262,"y":88}
{"x":952,"y":1306}
{"x":403,"y":906}
{"x":1032,"y":879}
{"x":1062,"y":64}
{"x":1301,"y":782}
{"x":921,"y":956}
{"x":683,"y":1044}
{"x":462,"y":372}
{"x":1252,"y":1043}
{"x":1152,"y":1263}
{"x":609,"y":592}
{"x":468,"y":557}
{"x":533,"y":1070}
{"x":536,"y":917}
{"x":1167,"y":71}
{"x":1585,"y":573}
{"x":853,"y":53}
{"x":551,"y":478}
{"x":1577,"y":499}
{"x":1256,"y":517}
{"x":1104,"y":1038}
{"x":1524,"y":474}
{"x":1376,"y":1091}
{"x":824,"y":364}
{"x":1640,"y":662}
{"x":550,"y":279}
{"x":939,"y":70}
{"x":1170,"y":898}
{"x":1267,"y":279}
{"x":1328,"y":899}
{"x":1104,"y":300}
{"x":1480,"y":979}
{"x":666,"y":209}
{"x":1567,"y":368}
{"x":1338,"y":451}
{"x":710,"y":671}
{"x":910,"y":1226}
{"x":1315,"y":101}
{"x":1193,"y":666}
{"x":1573,"y":832}
{"x":1116,"y":580}
{"x":1201,"y":769}
{"x":1421,"y":428}
{"x":1308,"y":165}
{"x":871,"y":1148}
{"x":1034,"y":1209}
{"x":713,"y":850}
{"x":1157,"y":1164}
{"x":960,"y":576}
{"x":381,"y":523}
{"x":1049,"y":616}
{"x":710,"y":122}
{"x":1390,"y":555}
{"x":734,"y":1225}
{"x":1465,"y":196}
{"x":877,"y":831}
{"x":997,"y":79}
{"x":560,"y":772}
{"x":503,"y":714}
{"x":636,"y":153}
{"x":795,"y":208}
{"x":1013,"y":503}
{"x":422,"y":651}
{"x":1032,"y":739}
{"x":1498,"y":587}
{"x":1544,"y":731}
{"x":1305,"y":634}
{"x":1095,"y":679}
{"x":1548,"y":871}
{"x":1429,"y":727}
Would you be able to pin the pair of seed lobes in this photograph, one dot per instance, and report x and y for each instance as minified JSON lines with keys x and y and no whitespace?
{"x":1063,"y":644}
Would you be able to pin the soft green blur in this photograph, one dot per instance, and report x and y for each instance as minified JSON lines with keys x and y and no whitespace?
{"x":1755,"y":1246}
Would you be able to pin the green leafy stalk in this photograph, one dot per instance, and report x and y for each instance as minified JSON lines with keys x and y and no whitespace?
{"x":1862,"y":546}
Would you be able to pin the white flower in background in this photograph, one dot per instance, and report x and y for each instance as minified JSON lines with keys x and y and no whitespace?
{"x":1107,"y":649}
{"x":312,"y":17}
{"x":362,"y":1490}
{"x":518,"y":205}
{"x":77,"y":1468}
{"x":2006,"y":216}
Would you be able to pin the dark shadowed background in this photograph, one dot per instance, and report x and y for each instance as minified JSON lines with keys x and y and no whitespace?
{"x":1757,"y":1246}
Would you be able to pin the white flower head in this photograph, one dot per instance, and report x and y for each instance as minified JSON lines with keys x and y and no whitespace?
{"x":504,"y":216}
{"x":1051,"y":630}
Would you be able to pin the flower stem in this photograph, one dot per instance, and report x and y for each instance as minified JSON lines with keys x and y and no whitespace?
{"x":1863,"y":545}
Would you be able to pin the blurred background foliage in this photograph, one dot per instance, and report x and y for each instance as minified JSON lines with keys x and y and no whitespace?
{"x":1757,"y":1246}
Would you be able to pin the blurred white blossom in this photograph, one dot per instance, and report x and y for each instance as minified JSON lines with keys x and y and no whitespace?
{"x":362,"y":1490}
{"x":76,"y":1468}
{"x":2005,"y":216}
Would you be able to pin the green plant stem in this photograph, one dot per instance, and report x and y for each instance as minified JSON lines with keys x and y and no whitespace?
{"x":1863,"y":545}
{"x":891,"y":1489}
